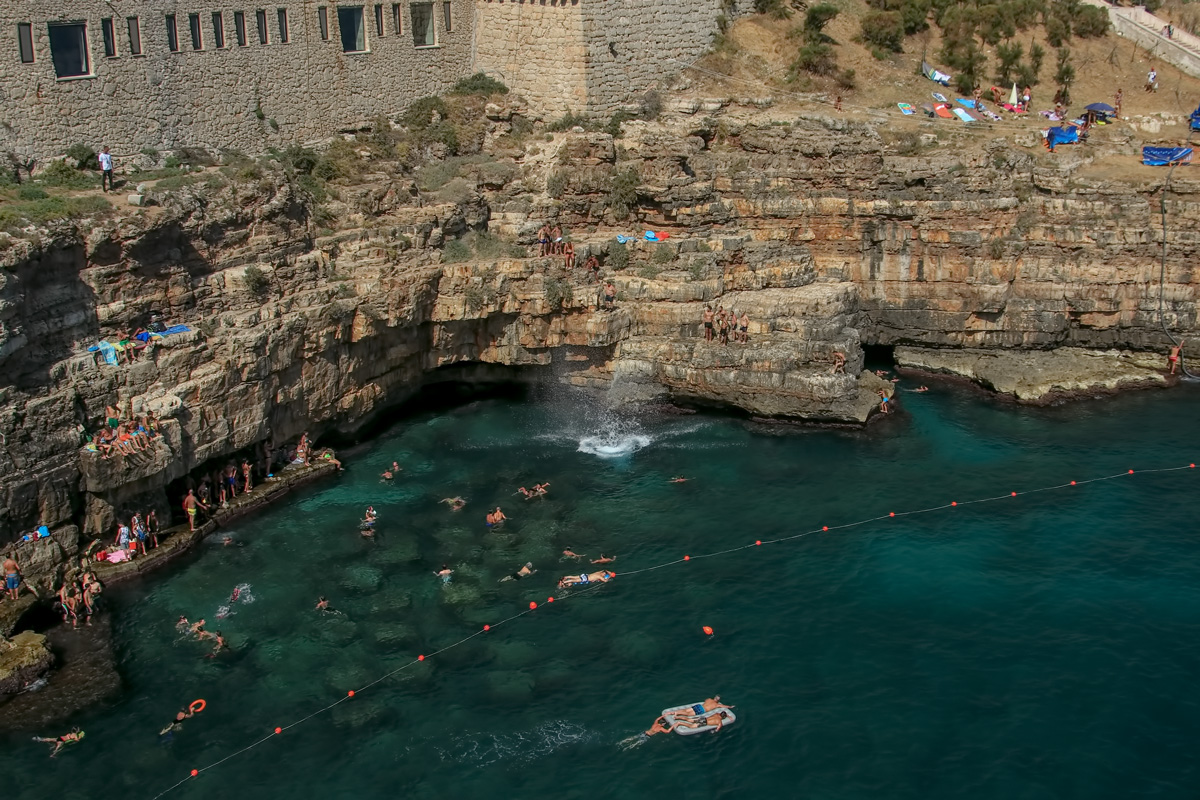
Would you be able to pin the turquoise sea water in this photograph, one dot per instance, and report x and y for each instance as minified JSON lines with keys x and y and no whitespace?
{"x":1038,"y":647}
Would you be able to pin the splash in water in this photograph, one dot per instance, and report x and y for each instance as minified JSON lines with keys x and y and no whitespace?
{"x":482,"y":749}
{"x":240,"y":594}
{"x":613,"y":445}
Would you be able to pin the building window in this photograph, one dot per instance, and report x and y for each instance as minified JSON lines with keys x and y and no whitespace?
{"x":194,"y":27}
{"x":135,"y":36}
{"x":260,"y":17}
{"x":110,"y":37}
{"x":25,"y":41}
{"x":422,"y":24}
{"x":379,"y":20}
{"x":218,"y":29}
{"x":397,"y":19}
{"x":68,"y":49}
{"x":172,"y":34}
{"x":323,"y":22}
{"x":447,"y":20}
{"x":283,"y":28}
{"x":239,"y":27}
{"x":350,"y":22}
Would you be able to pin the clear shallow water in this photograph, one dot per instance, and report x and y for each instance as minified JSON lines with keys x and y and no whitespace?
{"x":1044,"y":647}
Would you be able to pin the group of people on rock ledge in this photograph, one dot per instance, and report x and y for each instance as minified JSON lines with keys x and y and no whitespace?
{"x":125,"y":437}
{"x":725,"y":322}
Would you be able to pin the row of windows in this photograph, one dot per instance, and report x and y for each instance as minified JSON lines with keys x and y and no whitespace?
{"x":69,"y":50}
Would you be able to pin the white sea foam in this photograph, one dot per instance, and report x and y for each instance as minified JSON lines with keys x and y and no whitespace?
{"x":481,"y":749}
{"x":613,"y":445}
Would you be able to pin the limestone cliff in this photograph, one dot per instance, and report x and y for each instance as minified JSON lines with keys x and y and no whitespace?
{"x":816,"y":228}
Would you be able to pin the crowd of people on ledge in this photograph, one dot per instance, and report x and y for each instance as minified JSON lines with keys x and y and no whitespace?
{"x":126,"y":437}
{"x":719,"y":324}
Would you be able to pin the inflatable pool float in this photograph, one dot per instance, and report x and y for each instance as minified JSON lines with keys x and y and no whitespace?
{"x":672,"y":715}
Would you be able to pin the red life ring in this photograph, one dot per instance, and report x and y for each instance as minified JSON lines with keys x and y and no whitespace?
{"x":193,"y":707}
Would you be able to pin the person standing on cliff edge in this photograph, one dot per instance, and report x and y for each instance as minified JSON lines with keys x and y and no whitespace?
{"x":12,"y":577}
{"x":189,"y":506}
{"x":106,"y":170}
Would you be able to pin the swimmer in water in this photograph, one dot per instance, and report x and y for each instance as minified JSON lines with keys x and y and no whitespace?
{"x":444,"y":573}
{"x":528,"y":494}
{"x":604,"y":576}
{"x":182,"y":624}
{"x":197,"y":628}
{"x":455,"y":503}
{"x":603,"y":559}
{"x":387,"y":475}
{"x":219,"y":646}
{"x":540,"y":488}
{"x":370,"y":515}
{"x":60,"y":742}
{"x":227,"y":541}
{"x":918,"y":389}
{"x":523,"y":572}
{"x":178,"y":722}
{"x":568,"y":554}
{"x":495,"y":518}
{"x":237,"y":592}
{"x":322,"y":604}
{"x":679,"y":479}
{"x":659,"y":727}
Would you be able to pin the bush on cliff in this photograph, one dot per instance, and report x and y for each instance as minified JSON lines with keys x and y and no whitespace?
{"x":83,"y":156}
{"x":480,"y":84}
{"x":883,"y":29}
{"x":618,"y":256}
{"x":42,"y":211}
{"x":622,"y":195}
{"x":256,"y":281}
{"x":63,"y":175}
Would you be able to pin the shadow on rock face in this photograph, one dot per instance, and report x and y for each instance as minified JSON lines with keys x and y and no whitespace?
{"x":86,"y":675}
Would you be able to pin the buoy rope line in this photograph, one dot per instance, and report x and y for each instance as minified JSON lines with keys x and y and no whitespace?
{"x":1162,"y":267}
{"x":533,"y":606}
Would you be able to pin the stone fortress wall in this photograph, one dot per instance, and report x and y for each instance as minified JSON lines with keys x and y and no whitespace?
{"x":589,"y":55}
{"x":99,"y":73}
{"x":214,"y":96}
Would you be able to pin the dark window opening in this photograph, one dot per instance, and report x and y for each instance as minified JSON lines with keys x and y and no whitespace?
{"x":397,"y":19}
{"x":218,"y":21}
{"x":239,"y":27}
{"x":25,"y":41}
{"x":283,"y":26}
{"x":379,"y":20}
{"x":68,"y":49}
{"x":350,"y":22}
{"x":194,"y":28}
{"x":110,"y":37}
{"x":323,"y":22}
{"x":172,"y":34}
{"x":135,"y":36}
{"x":260,"y":17}
{"x":422,"y":25}
{"x":447,"y":21}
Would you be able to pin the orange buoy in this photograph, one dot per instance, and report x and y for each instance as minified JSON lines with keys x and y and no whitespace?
{"x":707,"y":630}
{"x":202,"y":705}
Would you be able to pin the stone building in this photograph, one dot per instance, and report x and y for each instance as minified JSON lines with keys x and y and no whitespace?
{"x":162,"y":74}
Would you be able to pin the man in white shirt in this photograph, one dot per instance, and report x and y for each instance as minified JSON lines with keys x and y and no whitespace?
{"x":106,"y":169}
{"x":1152,"y":81}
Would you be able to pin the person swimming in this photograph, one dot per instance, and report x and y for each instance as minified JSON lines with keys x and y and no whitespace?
{"x":59,"y":742}
{"x":523,"y":572}
{"x":322,"y":604}
{"x":237,"y":592}
{"x":679,"y":479}
{"x":455,"y":503}
{"x":495,"y":518}
{"x":604,"y":576}
{"x":568,"y":554}
{"x":444,"y":573}
{"x":603,"y":559}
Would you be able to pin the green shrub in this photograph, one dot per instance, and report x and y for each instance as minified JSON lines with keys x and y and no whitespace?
{"x":815,"y":57}
{"x":1057,"y":31}
{"x":884,"y":29}
{"x":556,"y":184}
{"x":455,"y":251}
{"x":344,"y":290}
{"x":425,"y":113}
{"x":697,"y":270}
{"x":568,"y":121}
{"x":1009,"y":60}
{"x":83,"y":156}
{"x":489,"y":246}
{"x":618,"y":256}
{"x":63,"y":175}
{"x":649,"y":271}
{"x":613,"y":128}
{"x":194,"y":156}
{"x":150,"y":153}
{"x":481,"y":84}
{"x":622,"y":196}
{"x":31,"y":193}
{"x":299,"y":160}
{"x":1090,"y":22}
{"x":172,"y":163}
{"x":256,"y":281}
{"x":650,"y":105}
{"x":314,"y":187}
{"x":249,"y":174}
{"x":475,"y":299}
{"x":558,"y":292}
{"x":664,"y":253}
{"x":14,"y":215}
{"x":845,"y":78}
{"x":778,"y":9}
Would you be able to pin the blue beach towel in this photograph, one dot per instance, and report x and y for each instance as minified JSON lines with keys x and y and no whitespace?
{"x":625,"y":239}
{"x":106,"y":350}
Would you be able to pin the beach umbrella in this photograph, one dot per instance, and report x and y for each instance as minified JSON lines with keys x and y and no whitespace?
{"x":1012,"y":98}
{"x":1101,"y":108}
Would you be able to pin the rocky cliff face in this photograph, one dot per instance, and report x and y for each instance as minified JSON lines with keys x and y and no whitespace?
{"x":815,"y":228}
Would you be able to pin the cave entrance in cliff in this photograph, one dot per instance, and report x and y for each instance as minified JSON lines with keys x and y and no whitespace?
{"x":879,"y":356}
